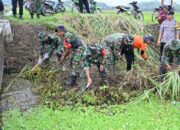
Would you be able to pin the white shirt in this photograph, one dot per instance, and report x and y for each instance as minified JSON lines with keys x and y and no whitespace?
{"x":167,"y":2}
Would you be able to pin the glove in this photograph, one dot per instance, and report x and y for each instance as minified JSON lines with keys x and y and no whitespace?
{"x":40,"y":61}
{"x":46,"y":56}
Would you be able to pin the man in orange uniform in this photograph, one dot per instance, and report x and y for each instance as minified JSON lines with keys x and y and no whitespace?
{"x":138,"y":42}
{"x":142,"y":44}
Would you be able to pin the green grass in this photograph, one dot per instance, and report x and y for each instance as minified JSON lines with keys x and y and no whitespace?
{"x":55,"y":20}
{"x":143,"y":116}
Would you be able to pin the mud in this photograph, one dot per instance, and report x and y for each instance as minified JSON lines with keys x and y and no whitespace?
{"x":24,"y":49}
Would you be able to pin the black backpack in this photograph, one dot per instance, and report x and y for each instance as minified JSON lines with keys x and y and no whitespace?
{"x":1,"y":6}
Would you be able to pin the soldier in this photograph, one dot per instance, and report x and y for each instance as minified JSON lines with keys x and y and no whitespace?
{"x":171,"y":51}
{"x":35,"y":8}
{"x":49,"y":43}
{"x":71,"y":44}
{"x":83,"y":58}
{"x":119,"y":44}
{"x":113,"y":43}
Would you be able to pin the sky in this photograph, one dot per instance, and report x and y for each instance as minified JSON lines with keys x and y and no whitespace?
{"x":124,"y":2}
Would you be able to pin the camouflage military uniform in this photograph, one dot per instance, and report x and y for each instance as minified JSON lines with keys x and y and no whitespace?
{"x":35,"y":8}
{"x":74,"y":44}
{"x":50,"y":43}
{"x":171,"y":53}
{"x":113,"y":44}
{"x":84,"y":57}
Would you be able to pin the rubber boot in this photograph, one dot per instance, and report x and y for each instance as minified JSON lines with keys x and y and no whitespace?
{"x":14,"y":16}
{"x":32,"y":16}
{"x":38,"y":16}
{"x":72,"y":80}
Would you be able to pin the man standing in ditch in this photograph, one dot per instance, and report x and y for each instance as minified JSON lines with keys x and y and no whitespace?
{"x":49,"y":44}
{"x":171,"y":50}
{"x":71,"y":45}
{"x":167,"y":31}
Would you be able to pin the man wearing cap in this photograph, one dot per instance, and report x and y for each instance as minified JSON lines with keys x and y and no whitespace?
{"x":171,"y":50}
{"x":71,"y":44}
{"x":125,"y":43}
{"x":167,"y":31}
{"x":49,"y":43}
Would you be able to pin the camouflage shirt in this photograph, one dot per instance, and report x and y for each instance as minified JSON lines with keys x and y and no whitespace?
{"x":52,"y":43}
{"x":93,"y":55}
{"x":72,"y":39}
{"x":113,"y":44}
{"x":168,"y":53}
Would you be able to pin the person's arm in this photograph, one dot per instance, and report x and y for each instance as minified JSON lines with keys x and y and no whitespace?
{"x":86,"y":66}
{"x":165,"y":57}
{"x":143,"y":51}
{"x":89,"y":80}
{"x":178,"y":33}
{"x":66,"y":53}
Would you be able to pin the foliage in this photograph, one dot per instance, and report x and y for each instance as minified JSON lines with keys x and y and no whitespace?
{"x":143,"y":116}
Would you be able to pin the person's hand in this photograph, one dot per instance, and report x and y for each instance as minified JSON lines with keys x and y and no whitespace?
{"x":46,"y":56}
{"x":101,"y":68}
{"x":168,"y":67}
{"x":89,"y":82}
{"x":158,"y":42}
{"x":39,"y":61}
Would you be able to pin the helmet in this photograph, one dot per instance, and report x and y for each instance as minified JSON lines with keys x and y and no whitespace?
{"x":128,"y":39}
{"x":148,"y":37}
{"x":42,"y":36}
{"x":174,"y":45}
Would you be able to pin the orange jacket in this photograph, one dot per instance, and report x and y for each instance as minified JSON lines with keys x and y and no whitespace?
{"x":139,"y":43}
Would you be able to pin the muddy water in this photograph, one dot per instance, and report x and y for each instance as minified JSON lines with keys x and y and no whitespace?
{"x":19,"y":95}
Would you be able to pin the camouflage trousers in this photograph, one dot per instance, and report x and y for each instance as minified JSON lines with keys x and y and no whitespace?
{"x":111,"y":61}
{"x":35,"y":7}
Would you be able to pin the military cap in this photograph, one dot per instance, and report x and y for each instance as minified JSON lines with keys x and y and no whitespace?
{"x":175,"y":44}
{"x":42,"y":36}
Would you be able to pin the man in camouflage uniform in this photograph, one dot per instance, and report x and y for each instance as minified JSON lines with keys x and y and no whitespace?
{"x":71,"y":44}
{"x":119,"y":44}
{"x":113,"y":43}
{"x":35,"y":7}
{"x":49,"y":44}
{"x":83,"y":58}
{"x":171,"y":51}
